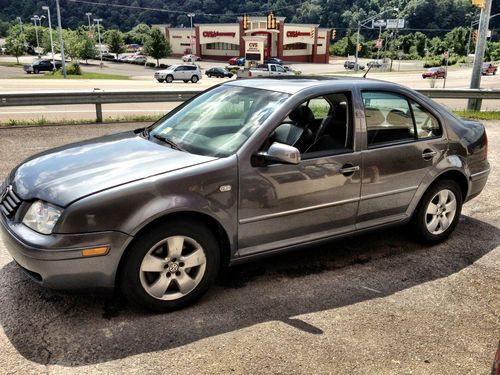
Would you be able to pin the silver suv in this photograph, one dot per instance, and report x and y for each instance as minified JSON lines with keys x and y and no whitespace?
{"x":184,"y":72}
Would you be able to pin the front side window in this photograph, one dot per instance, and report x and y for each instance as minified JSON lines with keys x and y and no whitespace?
{"x":219,"y":121}
{"x":388,"y":118}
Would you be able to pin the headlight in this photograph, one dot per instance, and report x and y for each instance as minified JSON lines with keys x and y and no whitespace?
{"x":42,"y":217}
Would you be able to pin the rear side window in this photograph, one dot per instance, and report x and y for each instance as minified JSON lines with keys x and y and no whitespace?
{"x":388,"y":118}
{"x":392,"y":118}
{"x":427,"y":124}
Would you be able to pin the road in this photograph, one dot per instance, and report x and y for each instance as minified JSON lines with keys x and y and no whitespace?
{"x":142,"y":79}
{"x":375,"y":304}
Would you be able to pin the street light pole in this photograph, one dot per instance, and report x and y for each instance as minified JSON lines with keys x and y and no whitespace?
{"x":98,"y":20}
{"x":20,"y":23}
{"x":191,"y":15}
{"x":51,"y":40}
{"x":363,"y":23}
{"x":61,"y":41}
{"x":475,"y":82}
{"x":88,"y":16}
{"x":35,"y":18}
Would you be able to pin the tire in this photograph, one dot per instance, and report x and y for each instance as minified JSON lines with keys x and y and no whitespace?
{"x":186,"y":80}
{"x":169,"y":79}
{"x":140,"y":287}
{"x":35,"y":71}
{"x":160,"y":80}
{"x":209,"y":75}
{"x":194,"y":79}
{"x":431,"y":227}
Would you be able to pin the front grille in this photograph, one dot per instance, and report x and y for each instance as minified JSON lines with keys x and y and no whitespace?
{"x":9,"y":202}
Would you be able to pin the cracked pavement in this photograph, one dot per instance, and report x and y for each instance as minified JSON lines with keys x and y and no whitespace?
{"x":378,"y":303}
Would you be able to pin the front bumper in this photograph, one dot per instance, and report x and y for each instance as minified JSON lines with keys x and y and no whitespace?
{"x":55,"y":261}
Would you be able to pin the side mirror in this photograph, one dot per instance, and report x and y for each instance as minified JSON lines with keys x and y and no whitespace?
{"x":280,"y":153}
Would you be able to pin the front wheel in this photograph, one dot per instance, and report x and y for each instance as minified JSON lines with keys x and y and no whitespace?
{"x":194,"y":79}
{"x":35,"y":71}
{"x":169,"y":79}
{"x":170,"y":266}
{"x":160,"y":80}
{"x":438,"y":212}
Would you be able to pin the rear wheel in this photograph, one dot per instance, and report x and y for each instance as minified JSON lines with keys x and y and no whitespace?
{"x":438,"y":212}
{"x":169,"y":79}
{"x":170,"y":266}
{"x":194,"y":79}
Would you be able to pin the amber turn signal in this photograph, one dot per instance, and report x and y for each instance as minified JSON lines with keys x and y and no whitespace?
{"x":95,"y":252}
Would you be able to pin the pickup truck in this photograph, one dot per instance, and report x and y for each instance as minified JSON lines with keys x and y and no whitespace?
{"x":265,"y":70}
{"x":489,"y":69}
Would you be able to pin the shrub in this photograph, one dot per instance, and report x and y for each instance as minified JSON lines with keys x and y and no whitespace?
{"x":163,"y":66}
{"x":74,"y":69}
{"x":150,"y":64}
{"x":432,"y":63}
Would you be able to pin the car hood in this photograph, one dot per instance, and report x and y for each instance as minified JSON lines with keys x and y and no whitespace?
{"x":65,"y":174}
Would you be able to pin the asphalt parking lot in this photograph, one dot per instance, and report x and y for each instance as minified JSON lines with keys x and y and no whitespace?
{"x":374,"y":304}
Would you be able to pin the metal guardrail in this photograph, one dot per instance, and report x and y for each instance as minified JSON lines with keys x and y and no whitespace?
{"x":100,"y":97}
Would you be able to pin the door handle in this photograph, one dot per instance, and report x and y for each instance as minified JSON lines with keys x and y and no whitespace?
{"x":428,"y":154}
{"x":348,"y":169}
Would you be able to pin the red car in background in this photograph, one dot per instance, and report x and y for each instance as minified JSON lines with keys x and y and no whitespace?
{"x":489,"y":69}
{"x":434,"y":73}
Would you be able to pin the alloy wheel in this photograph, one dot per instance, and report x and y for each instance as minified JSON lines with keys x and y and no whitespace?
{"x":441,"y":211}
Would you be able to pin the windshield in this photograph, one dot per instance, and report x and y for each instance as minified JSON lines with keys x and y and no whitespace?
{"x":219,"y":121}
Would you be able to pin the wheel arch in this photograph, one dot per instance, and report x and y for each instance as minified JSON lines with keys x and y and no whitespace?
{"x":208,"y":221}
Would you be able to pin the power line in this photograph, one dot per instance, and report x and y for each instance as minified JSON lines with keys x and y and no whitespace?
{"x":182,"y":11}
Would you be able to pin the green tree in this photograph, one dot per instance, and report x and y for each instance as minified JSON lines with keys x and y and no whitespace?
{"x":86,"y":48}
{"x":14,"y":45}
{"x":114,"y":40}
{"x":139,"y":34}
{"x":157,"y":46}
{"x":456,"y":40}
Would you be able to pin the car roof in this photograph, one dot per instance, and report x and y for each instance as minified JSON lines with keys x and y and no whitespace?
{"x":292,"y":85}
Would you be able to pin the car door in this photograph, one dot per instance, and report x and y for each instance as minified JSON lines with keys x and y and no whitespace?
{"x":404,"y":140}
{"x":283,"y":204}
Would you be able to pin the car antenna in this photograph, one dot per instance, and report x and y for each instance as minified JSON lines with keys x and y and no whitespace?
{"x":364,"y":75}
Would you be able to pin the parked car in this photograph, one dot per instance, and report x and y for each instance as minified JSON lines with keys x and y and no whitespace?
{"x":107,"y":56}
{"x":350,"y":65}
{"x":264,"y":70}
{"x":273,"y":60}
{"x":233,"y":61}
{"x":40,"y":65}
{"x":374,"y":64}
{"x":246,"y":169}
{"x":240,"y":61}
{"x":218,"y":72}
{"x":434,"y":73}
{"x":190,"y":58}
{"x":140,"y":59}
{"x":489,"y":68}
{"x":184,"y":72}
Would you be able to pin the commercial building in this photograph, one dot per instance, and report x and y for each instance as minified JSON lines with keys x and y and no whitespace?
{"x":289,"y":42}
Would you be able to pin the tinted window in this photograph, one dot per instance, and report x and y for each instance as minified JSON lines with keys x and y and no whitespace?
{"x":191,"y":68}
{"x":388,"y":118}
{"x":427,"y":125}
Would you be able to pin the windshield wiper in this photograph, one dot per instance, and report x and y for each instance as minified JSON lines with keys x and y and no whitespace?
{"x":168,"y":142}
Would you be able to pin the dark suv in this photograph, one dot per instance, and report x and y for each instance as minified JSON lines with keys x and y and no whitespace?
{"x":38,"y":66}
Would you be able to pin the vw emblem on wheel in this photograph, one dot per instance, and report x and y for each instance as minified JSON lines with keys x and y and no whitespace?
{"x":174,"y":267}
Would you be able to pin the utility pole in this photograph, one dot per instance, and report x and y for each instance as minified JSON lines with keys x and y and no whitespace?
{"x":20,"y":22}
{"x":51,"y":40}
{"x":475,"y":81}
{"x":98,"y":20}
{"x":61,"y":41}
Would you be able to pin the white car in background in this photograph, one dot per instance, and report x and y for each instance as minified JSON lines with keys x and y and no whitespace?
{"x":182,"y":72}
{"x":190,"y":58}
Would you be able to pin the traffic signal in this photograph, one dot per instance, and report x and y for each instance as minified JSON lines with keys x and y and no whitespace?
{"x":474,"y":35}
{"x":246,"y":22}
{"x":359,"y":48}
{"x":271,"y":21}
{"x":334,"y":33}
{"x":478,"y":3}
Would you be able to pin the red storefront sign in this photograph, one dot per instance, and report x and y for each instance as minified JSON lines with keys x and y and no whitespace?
{"x":215,"y":34}
{"x":296,"y":34}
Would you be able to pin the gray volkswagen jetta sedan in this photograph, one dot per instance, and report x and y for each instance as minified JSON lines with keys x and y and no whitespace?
{"x":245,"y":169}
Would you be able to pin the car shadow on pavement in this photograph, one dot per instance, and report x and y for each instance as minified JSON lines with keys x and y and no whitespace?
{"x":51,"y":327}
